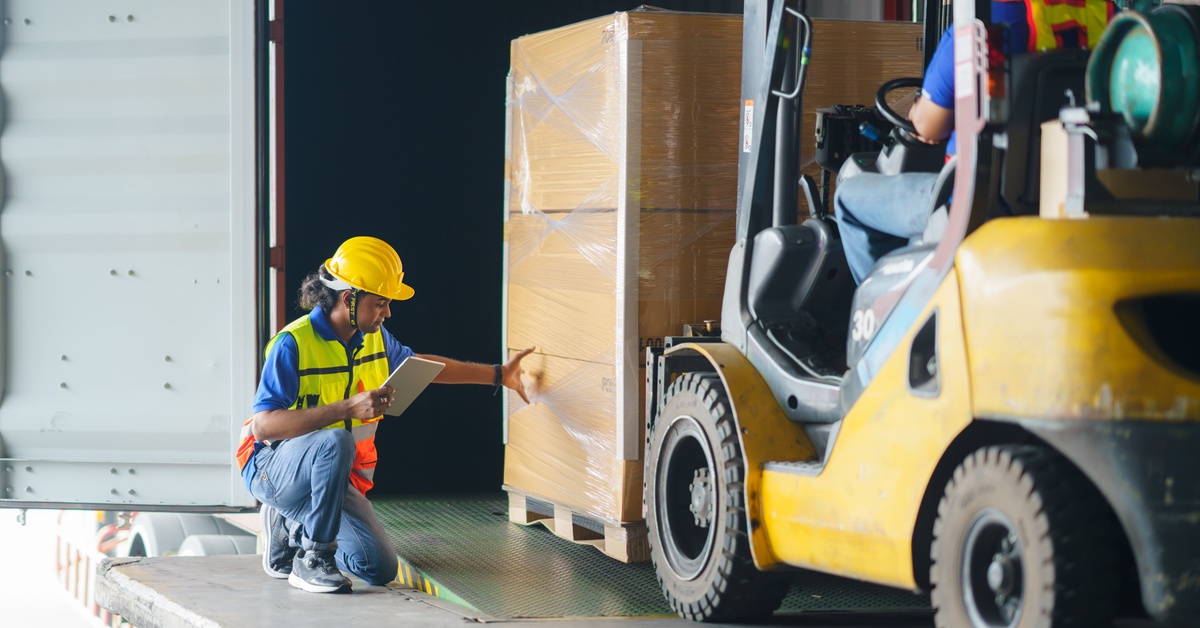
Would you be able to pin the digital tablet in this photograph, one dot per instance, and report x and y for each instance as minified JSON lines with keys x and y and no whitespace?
{"x":409,"y":379}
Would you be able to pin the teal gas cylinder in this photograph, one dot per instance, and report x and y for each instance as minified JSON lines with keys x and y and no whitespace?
{"x":1146,"y":69}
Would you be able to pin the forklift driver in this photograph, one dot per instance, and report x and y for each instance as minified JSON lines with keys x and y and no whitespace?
{"x":879,"y":213}
{"x":308,"y":453}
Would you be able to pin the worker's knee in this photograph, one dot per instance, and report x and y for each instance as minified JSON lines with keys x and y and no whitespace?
{"x":336,"y":444}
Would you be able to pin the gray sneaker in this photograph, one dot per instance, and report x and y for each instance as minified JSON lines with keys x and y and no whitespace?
{"x":316,"y":571}
{"x":278,"y":553}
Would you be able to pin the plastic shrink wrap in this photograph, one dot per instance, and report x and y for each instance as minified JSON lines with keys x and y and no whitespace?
{"x":621,"y":193}
{"x":622,"y":180}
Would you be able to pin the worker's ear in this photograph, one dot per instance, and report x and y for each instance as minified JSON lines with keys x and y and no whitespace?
{"x":344,"y":297}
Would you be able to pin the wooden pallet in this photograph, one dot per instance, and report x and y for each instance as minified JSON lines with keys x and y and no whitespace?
{"x":624,"y":541}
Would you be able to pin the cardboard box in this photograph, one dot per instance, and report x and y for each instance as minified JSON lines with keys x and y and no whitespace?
{"x":622,"y":158}
{"x":621,"y":204}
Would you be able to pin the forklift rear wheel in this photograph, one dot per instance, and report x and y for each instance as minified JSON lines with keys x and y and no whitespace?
{"x":695,"y":507}
{"x":1022,"y":540}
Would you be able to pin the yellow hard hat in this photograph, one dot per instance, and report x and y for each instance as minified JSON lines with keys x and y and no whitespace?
{"x":369,"y":264}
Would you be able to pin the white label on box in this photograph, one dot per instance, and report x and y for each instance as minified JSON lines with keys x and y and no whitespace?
{"x":748,"y":127}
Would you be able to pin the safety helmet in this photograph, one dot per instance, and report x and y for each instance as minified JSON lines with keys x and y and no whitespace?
{"x":368,"y":264}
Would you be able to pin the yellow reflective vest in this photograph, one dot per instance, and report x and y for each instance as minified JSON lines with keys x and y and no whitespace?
{"x":1051,"y":22}
{"x":328,"y":374}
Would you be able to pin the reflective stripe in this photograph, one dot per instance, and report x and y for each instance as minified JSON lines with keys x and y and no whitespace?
{"x":365,"y":431}
{"x":370,"y":358}
{"x":329,"y":370}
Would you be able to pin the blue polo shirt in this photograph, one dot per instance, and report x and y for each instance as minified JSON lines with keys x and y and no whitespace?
{"x":280,"y":382}
{"x":939,"y":76}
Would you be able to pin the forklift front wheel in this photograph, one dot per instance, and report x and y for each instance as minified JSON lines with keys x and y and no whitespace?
{"x":1022,"y":540}
{"x":696,"y":512}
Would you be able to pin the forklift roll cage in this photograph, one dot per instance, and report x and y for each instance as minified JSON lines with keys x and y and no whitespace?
{"x":768,"y":193}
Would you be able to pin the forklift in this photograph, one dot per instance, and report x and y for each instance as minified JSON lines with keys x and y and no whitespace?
{"x":1006,"y":412}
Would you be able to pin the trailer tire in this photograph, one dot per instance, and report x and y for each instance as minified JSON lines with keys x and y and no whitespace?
{"x":218,"y":545}
{"x":161,"y":533}
{"x":696,"y":511}
{"x":1022,"y":539}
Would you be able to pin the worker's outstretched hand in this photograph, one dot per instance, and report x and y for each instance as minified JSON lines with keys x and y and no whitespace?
{"x":511,"y":373}
{"x":371,"y":403}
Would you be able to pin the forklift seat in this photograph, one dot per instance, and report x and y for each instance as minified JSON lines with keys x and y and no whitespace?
{"x":1039,"y":90}
{"x":939,"y":212}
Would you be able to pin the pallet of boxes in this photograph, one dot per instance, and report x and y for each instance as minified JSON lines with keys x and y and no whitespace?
{"x":621,"y":171}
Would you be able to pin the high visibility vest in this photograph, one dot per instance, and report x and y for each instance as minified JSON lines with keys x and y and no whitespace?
{"x":1057,"y":24}
{"x":328,"y":375}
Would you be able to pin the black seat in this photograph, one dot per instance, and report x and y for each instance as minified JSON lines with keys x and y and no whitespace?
{"x":1038,"y":91}
{"x":939,"y":214}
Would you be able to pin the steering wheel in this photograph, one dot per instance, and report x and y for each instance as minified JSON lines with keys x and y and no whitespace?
{"x":887,"y":112}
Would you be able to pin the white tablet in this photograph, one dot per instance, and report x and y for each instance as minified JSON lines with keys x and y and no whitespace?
{"x":409,"y":379}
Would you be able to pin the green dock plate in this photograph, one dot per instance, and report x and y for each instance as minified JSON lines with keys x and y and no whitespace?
{"x":465,"y":550}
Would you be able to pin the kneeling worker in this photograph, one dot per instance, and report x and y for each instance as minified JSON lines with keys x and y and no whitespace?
{"x":308,"y":453}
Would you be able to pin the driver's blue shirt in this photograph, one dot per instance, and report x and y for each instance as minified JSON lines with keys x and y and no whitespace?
{"x":939,"y":76}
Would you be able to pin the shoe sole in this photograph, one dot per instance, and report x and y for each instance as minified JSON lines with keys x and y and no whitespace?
{"x":295,"y":581}
{"x":266,"y":560}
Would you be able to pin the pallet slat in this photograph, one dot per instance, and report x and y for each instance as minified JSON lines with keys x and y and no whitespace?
{"x":626,"y":542}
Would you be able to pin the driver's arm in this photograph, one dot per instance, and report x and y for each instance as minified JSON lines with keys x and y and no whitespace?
{"x":933,"y":113}
{"x":933,"y":122}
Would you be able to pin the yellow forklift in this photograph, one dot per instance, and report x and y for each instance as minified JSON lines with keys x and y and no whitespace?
{"x":1005,"y":413}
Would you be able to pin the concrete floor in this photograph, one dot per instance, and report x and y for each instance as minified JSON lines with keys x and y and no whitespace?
{"x":233,"y":591}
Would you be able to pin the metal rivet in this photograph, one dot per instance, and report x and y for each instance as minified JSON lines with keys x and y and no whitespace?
{"x":195,"y":281}
{"x":8,"y":489}
{"x":130,"y":273}
{"x":29,"y":469}
{"x":27,"y":22}
{"x":112,"y":18}
{"x":8,"y":468}
{"x":7,"y":22}
{"x":113,"y":272}
{"x":113,"y":471}
{"x":166,"y":358}
{"x":115,"y":492}
{"x":167,"y":385}
{"x":28,"y":489}
{"x":62,"y":384}
{"x":7,"y":272}
{"x":63,"y":357}
{"x":29,"y":273}
{"x":129,"y":18}
{"x":132,"y":492}
{"x":218,"y":280}
{"x":132,"y":471}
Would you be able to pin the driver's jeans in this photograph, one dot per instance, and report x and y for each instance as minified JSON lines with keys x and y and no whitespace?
{"x":879,"y":213}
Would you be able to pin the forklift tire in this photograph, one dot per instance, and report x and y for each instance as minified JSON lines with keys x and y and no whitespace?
{"x":696,"y":512}
{"x":1022,"y":539}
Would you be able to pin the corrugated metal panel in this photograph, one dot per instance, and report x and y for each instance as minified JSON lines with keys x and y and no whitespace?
{"x":128,"y":238}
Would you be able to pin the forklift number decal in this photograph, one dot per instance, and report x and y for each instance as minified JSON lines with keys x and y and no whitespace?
{"x":864,"y":325}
